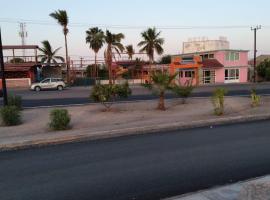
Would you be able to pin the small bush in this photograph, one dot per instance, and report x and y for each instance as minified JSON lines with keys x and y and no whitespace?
{"x":183,"y":91}
{"x":255,"y":99}
{"x":14,"y":100}
{"x":218,"y":101}
{"x":59,"y":119}
{"x":10,"y":115}
{"x":107,"y":94}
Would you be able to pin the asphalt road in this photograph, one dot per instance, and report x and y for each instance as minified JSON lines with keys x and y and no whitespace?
{"x":80,"y":95}
{"x":143,"y":167}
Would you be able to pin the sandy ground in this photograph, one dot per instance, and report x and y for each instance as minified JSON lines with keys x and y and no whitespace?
{"x":125,"y":115}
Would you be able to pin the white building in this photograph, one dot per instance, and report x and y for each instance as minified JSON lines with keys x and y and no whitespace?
{"x":204,"y":44}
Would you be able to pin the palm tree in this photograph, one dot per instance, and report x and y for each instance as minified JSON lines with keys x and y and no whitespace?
{"x":48,"y":55}
{"x":151,"y":43}
{"x":130,"y":51}
{"x":95,"y":37}
{"x":113,"y":42}
{"x":62,"y":18}
{"x":161,"y":82}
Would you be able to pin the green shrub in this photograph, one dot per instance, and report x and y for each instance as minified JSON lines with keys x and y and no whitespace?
{"x":255,"y":99}
{"x":10,"y":115}
{"x":107,"y":94}
{"x":183,"y":91}
{"x":14,"y":100}
{"x":218,"y":101}
{"x":59,"y":119}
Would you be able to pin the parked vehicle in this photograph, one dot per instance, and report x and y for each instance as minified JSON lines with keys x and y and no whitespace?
{"x":48,"y":84}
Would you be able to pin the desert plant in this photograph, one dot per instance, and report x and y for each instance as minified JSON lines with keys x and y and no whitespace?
{"x":10,"y":115}
{"x":255,"y":99}
{"x":183,"y":91}
{"x":218,"y":100}
{"x":14,"y":100}
{"x":107,"y":94}
{"x":59,"y":119}
{"x":161,"y":82}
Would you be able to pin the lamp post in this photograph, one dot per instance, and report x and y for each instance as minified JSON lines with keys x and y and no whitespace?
{"x":255,"y":29}
{"x":4,"y":87}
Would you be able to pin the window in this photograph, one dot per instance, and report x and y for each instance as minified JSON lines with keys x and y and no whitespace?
{"x":189,"y":74}
{"x":46,"y":81}
{"x":232,"y":56}
{"x":207,"y":56}
{"x":231,"y":74}
{"x":211,"y":56}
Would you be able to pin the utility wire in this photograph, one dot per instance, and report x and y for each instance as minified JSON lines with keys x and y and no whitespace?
{"x":42,"y":22}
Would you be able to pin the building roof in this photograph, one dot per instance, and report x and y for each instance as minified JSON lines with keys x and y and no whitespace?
{"x":259,"y":59}
{"x":213,"y":51}
{"x":212,"y":63}
{"x":12,"y":67}
{"x":10,"y":47}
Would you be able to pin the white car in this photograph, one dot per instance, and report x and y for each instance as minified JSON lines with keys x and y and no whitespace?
{"x":49,"y":83}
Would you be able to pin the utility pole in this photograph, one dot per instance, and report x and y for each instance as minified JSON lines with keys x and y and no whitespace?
{"x":23,"y":35}
{"x":4,"y":87}
{"x":255,"y":29}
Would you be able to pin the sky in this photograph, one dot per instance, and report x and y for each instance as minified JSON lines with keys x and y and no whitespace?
{"x":136,"y":16}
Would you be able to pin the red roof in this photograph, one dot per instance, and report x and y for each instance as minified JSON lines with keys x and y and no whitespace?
{"x":21,"y":67}
{"x":212,"y":63}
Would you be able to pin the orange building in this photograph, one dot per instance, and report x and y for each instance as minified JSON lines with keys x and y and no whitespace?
{"x":187,"y":69}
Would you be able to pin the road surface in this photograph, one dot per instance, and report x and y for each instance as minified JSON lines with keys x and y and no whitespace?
{"x":143,"y":167}
{"x":80,"y":95}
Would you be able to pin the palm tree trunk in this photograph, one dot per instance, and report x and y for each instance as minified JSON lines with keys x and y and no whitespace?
{"x":109,"y":57}
{"x":67,"y":61}
{"x":95,"y":70}
{"x":161,"y":103}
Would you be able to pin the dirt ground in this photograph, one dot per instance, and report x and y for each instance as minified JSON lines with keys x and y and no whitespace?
{"x":125,"y":115}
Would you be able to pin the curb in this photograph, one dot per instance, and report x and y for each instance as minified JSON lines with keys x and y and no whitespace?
{"x":85,"y":135}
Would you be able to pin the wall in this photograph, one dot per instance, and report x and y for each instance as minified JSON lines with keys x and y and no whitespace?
{"x":18,"y":82}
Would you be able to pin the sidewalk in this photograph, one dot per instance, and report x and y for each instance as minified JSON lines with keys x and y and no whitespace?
{"x":255,"y":189}
{"x":89,"y":122}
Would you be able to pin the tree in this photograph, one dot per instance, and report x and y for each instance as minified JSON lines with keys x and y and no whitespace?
{"x":95,"y":38}
{"x":62,"y":18}
{"x":130,"y":51}
{"x":161,"y":82}
{"x":165,"y":59}
{"x":107,"y":94}
{"x":263,"y":69}
{"x":151,"y":43}
{"x":48,"y":55}
{"x":16,"y":60}
{"x":113,"y":42}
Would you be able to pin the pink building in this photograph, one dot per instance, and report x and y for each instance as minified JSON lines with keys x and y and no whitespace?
{"x":219,"y":66}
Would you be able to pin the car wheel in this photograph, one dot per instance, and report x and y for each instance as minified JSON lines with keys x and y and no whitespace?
{"x":59,"y":87}
{"x":37,"y":88}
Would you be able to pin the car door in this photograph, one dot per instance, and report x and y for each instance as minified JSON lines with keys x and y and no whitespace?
{"x":45,"y":84}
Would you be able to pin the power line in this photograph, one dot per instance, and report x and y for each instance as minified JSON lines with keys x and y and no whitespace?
{"x":43,"y":22}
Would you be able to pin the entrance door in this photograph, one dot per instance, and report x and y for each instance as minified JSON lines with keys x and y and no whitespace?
{"x":208,"y":76}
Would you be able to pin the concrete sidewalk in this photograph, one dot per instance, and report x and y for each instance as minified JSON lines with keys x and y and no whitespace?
{"x":89,"y":122}
{"x":255,"y":189}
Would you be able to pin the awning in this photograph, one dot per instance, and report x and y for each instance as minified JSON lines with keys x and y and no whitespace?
{"x":211,"y":63}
